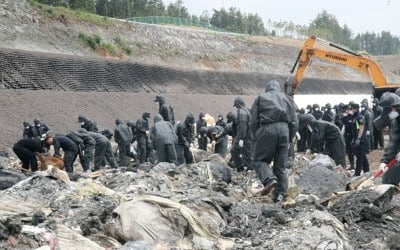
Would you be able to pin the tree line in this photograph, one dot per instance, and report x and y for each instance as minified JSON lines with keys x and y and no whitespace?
{"x":325,"y":25}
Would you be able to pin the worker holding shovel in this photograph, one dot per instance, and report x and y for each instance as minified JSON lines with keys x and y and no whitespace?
{"x":390,"y":162}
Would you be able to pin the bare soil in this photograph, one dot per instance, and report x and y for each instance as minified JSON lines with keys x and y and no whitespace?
{"x":28,"y":28}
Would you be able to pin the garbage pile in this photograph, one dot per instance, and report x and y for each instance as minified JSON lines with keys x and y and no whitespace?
{"x":206,"y":205}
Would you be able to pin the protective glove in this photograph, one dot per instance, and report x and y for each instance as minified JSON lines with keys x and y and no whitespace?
{"x":309,"y":128}
{"x":383,"y":167}
{"x":147,"y":133}
{"x":298,"y":136}
{"x":199,"y":136}
{"x":398,"y":157}
{"x":241,"y":143}
{"x":368,"y":133}
{"x":357,"y":142}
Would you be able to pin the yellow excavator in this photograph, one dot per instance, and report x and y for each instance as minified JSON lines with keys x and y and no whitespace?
{"x":349,"y":58}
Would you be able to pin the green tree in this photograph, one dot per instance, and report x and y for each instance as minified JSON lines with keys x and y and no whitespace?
{"x":178,"y":9}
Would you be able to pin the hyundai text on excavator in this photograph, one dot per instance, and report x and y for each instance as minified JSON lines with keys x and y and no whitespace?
{"x":349,"y":58}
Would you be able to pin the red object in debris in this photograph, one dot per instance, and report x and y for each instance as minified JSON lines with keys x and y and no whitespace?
{"x":380,"y":172}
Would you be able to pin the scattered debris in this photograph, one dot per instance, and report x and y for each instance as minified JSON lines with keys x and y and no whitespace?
{"x":205,"y":205}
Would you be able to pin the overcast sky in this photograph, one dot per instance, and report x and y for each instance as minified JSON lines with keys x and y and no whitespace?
{"x":359,"y":15}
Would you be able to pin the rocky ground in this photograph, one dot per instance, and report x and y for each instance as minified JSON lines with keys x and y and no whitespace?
{"x":205,"y":205}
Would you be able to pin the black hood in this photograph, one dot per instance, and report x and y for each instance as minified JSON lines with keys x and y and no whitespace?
{"x":158,"y":118}
{"x":190,"y":119}
{"x":146,"y":115}
{"x":273,"y":85}
{"x":160,"y":99}
{"x":389,"y":100}
{"x":238,"y":103}
{"x":118,"y":122}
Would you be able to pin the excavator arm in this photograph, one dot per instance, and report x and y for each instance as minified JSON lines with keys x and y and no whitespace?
{"x":353,"y":60}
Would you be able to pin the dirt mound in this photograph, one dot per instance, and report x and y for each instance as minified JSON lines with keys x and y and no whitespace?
{"x":319,"y":177}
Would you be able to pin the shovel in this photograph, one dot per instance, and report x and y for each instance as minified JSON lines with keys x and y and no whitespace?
{"x":380,"y":172}
{"x":363,"y":181}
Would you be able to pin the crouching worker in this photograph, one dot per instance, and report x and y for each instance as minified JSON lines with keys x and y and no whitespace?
{"x":102,"y":151}
{"x":26,"y":149}
{"x":217,"y":134}
{"x":86,"y":145}
{"x":67,"y":145}
{"x":164,"y":139}
{"x":390,"y":115}
{"x":329,"y":133}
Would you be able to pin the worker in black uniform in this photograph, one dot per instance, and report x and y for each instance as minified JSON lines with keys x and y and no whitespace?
{"x":390,"y":104}
{"x":378,"y":134}
{"x":309,"y":109}
{"x":273,"y":120}
{"x":184,"y":132}
{"x":123,"y":137}
{"x":102,"y":151}
{"x":339,"y":115}
{"x":348,"y":125}
{"x":307,"y":134}
{"x":143,"y":138}
{"x":68,"y":146}
{"x":39,"y":129}
{"x":217,"y":134}
{"x":220,"y":121}
{"x":165,"y":110}
{"x":25,"y":149}
{"x":132,"y":126}
{"x":29,"y":131}
{"x":87,"y":124}
{"x":330,"y":134}
{"x":328,"y":115}
{"x":107,"y":133}
{"x":164,"y":138}
{"x":360,"y":141}
{"x":86,"y":145}
{"x":365,"y":111}
{"x":304,"y":131}
{"x":242,"y":145}
{"x":316,"y":145}
{"x":317,"y":113}
{"x":200,"y":123}
{"x":231,"y":121}
{"x":202,"y":138}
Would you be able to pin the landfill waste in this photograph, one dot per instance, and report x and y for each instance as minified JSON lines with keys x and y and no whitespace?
{"x":320,"y":178}
{"x":205,"y":205}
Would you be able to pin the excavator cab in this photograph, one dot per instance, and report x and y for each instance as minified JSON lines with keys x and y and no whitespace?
{"x":345,"y":57}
